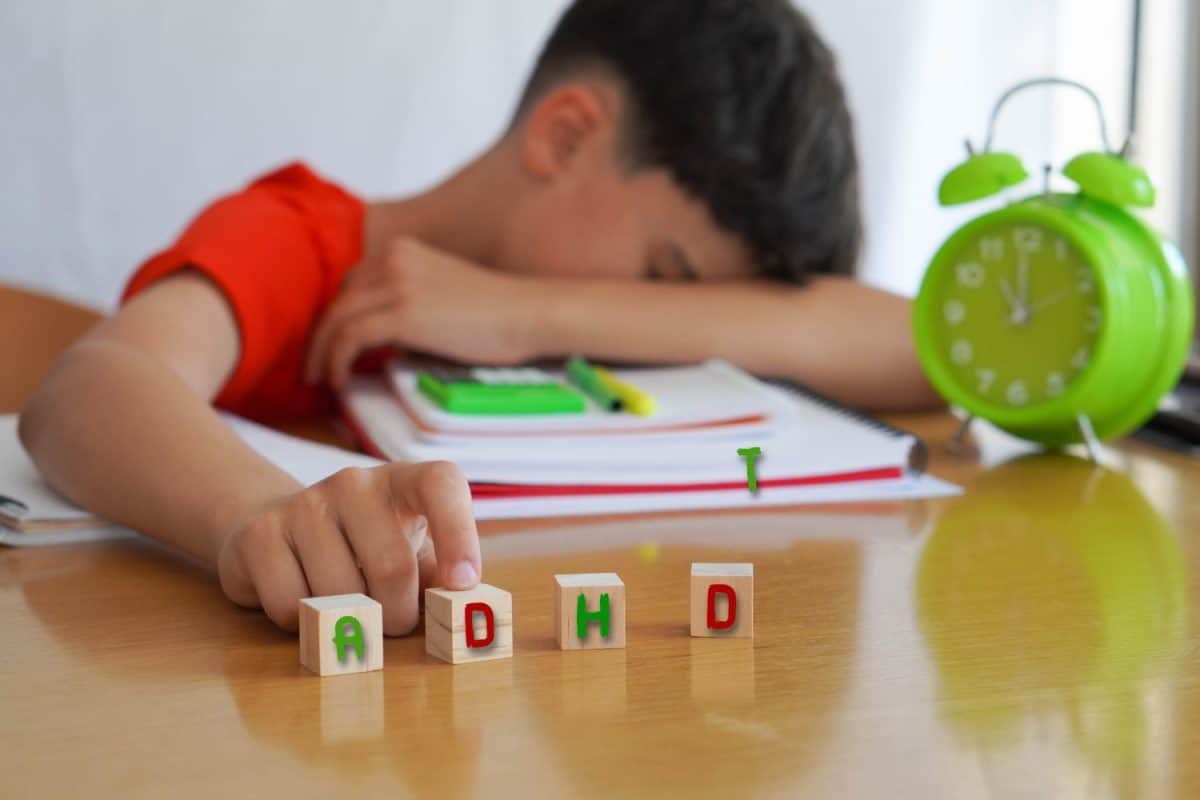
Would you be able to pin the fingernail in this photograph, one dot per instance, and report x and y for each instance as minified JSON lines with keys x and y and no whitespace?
{"x":463,"y":576}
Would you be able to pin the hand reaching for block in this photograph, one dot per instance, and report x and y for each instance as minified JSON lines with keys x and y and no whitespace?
{"x":386,"y":531}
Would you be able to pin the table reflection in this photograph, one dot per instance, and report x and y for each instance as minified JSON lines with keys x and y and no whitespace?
{"x":1051,"y":597}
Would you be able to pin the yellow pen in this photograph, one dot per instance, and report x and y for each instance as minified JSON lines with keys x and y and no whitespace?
{"x":633,"y":399}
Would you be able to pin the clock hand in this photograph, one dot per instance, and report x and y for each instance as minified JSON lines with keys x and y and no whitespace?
{"x":1009,"y":297}
{"x":1023,"y":278}
{"x":1045,"y":303}
{"x":1018,"y":314}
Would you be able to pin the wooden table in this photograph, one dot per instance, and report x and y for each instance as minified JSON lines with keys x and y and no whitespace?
{"x":1036,"y":637}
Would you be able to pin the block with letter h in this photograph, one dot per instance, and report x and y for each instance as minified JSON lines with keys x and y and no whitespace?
{"x":723,"y":600}
{"x":471,"y":625}
{"x":589,"y":611}
{"x":341,"y":634}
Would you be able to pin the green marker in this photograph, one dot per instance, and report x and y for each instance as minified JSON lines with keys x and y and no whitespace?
{"x":584,"y":375}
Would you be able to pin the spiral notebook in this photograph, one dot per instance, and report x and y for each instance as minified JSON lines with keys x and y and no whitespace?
{"x":32,"y":513}
{"x":805,"y":439}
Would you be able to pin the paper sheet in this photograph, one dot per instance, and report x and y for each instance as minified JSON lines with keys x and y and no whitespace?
{"x":309,"y":463}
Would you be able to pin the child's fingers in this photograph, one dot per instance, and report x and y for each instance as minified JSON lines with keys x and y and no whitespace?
{"x":235,"y":578}
{"x":386,"y":546}
{"x":274,"y":571}
{"x":328,"y":562}
{"x":426,"y":566}
{"x":438,"y":491}
{"x":367,"y":331}
{"x":345,"y":308}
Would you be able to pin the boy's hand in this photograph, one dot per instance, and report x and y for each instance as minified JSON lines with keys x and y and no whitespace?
{"x":360,"y":530}
{"x":420,"y":298}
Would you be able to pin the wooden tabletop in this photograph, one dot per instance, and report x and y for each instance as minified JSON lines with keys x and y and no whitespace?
{"x":1036,"y":637}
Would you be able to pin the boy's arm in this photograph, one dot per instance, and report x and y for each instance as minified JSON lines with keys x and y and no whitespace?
{"x":123,"y":426}
{"x":842,"y":338}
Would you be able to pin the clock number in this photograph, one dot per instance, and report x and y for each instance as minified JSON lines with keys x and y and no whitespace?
{"x":970,"y":274}
{"x":1092,"y":323}
{"x":961,"y":352}
{"x":1017,"y":394}
{"x":1080,"y":359}
{"x":1056,"y":384}
{"x":991,"y":248}
{"x":987,"y":377}
{"x":1087,"y":283}
{"x":954,"y":311}
{"x":1027,"y":239}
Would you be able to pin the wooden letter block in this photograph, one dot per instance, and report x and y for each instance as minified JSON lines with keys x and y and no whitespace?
{"x":340,"y":634}
{"x":475,"y":625}
{"x":723,"y":600}
{"x":589,"y":611}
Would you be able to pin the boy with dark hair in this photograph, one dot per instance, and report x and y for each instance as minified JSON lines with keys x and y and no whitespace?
{"x":671,"y":167}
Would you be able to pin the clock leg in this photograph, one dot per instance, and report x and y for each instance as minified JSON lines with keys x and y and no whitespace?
{"x":1089,"y":437}
{"x":958,"y":442}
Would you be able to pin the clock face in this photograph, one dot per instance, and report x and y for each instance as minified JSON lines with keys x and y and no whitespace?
{"x":1018,"y":312}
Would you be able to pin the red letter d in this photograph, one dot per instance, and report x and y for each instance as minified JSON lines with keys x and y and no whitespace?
{"x":483,"y":608}
{"x":730,"y":613}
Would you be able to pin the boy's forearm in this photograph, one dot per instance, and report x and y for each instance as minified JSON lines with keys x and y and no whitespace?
{"x":120,"y":434}
{"x":840,"y":337}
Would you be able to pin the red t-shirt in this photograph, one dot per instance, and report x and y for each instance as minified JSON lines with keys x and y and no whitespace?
{"x":278,"y":250}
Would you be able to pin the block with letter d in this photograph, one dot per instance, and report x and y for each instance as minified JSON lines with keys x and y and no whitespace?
{"x":589,"y":611}
{"x":723,"y":600}
{"x":472,"y":625}
{"x":340,"y":634}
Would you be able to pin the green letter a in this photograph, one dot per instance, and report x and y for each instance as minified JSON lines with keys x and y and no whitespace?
{"x":583,"y":616}
{"x":347,"y":632}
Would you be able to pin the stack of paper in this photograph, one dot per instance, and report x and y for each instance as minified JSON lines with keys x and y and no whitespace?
{"x":812,"y":453}
{"x":684,"y":456}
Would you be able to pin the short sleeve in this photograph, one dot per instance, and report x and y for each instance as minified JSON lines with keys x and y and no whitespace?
{"x":277,"y":250}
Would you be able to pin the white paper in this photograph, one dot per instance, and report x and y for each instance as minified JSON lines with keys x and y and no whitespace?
{"x":805,"y":440}
{"x":697,"y":394}
{"x":309,"y":463}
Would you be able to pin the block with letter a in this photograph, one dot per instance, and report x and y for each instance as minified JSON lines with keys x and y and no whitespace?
{"x":589,"y":611}
{"x":472,"y":625}
{"x":723,"y":600}
{"x":340,"y":634}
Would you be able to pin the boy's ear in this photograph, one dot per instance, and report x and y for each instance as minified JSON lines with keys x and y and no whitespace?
{"x":561,"y":126}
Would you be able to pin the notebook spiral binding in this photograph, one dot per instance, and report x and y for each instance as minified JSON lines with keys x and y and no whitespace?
{"x":19,"y":508}
{"x":918,"y":457}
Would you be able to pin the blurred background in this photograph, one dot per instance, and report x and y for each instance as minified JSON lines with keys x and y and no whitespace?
{"x":121,"y":119}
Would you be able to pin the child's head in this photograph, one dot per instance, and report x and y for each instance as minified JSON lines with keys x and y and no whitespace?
{"x":682,"y":139}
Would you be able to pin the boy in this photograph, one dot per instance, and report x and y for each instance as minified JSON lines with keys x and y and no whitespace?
{"x":671,"y":167}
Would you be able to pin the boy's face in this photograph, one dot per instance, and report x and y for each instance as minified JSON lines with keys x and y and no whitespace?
{"x":579,"y":212}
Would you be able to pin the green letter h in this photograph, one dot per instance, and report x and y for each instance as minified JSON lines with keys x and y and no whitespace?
{"x":583,"y":617}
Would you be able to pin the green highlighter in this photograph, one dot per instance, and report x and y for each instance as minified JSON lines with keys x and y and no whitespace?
{"x":465,"y":391}
{"x":585,"y":376}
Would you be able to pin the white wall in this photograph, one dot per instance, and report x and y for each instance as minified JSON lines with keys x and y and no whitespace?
{"x":119,"y":119}
{"x":1167,"y":135}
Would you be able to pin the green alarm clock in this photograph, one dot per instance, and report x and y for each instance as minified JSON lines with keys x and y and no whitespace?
{"x":1060,"y":317}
